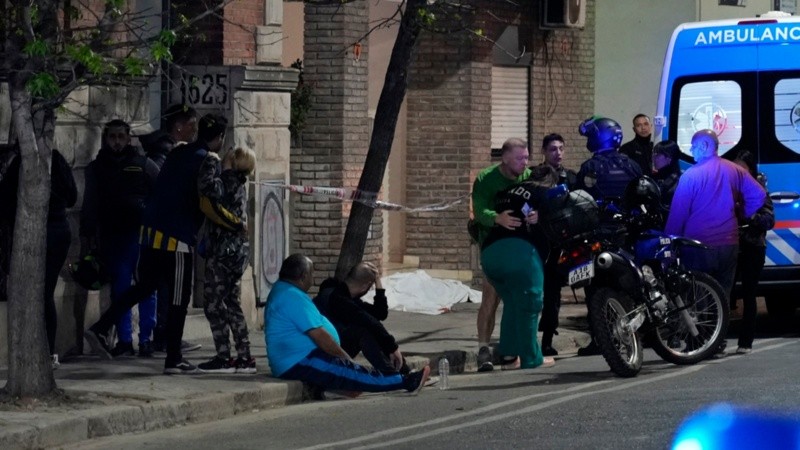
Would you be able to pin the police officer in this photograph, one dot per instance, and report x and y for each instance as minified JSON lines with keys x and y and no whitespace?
{"x":606,"y":174}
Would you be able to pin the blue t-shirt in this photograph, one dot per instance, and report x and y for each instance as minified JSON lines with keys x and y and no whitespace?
{"x":289,"y":315}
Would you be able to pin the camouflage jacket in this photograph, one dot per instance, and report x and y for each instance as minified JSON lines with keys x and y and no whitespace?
{"x":230,"y":248}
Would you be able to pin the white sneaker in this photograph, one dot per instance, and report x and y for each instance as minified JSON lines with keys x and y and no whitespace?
{"x":743,"y":350}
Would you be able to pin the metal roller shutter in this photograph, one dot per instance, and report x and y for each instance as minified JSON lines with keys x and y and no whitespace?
{"x":509,"y":104}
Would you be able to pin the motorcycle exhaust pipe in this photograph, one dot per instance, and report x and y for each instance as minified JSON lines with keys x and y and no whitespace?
{"x":605,"y":260}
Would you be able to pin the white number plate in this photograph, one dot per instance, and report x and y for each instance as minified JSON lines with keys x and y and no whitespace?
{"x":581,"y":273}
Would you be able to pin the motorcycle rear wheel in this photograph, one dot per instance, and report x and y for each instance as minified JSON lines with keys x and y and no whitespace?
{"x":709,"y":311}
{"x":621,"y":347}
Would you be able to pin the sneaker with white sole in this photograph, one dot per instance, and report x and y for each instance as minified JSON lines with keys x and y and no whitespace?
{"x":743,"y":350}
{"x":180,"y":368}
{"x":217,"y":365}
{"x":245,"y":365}
{"x":485,"y":363}
{"x":415,"y":381}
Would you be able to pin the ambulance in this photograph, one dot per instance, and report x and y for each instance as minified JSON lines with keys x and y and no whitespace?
{"x":741,"y":78}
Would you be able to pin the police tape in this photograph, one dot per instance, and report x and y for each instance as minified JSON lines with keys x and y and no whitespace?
{"x":367,"y":198}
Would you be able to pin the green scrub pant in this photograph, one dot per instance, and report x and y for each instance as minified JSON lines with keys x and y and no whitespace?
{"x":515,"y":269}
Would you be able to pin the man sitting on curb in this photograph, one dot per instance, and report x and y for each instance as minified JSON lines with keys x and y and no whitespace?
{"x":303,"y":345}
{"x":358,"y":322}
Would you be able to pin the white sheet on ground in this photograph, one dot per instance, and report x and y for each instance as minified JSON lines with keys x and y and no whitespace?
{"x":420,"y":293}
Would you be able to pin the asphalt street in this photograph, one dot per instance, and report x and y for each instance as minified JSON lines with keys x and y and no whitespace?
{"x":576,"y":404}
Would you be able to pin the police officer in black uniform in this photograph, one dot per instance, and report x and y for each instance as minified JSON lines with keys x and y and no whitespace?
{"x":606,"y":174}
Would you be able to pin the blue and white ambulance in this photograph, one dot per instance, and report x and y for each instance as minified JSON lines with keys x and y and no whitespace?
{"x":741,"y":78}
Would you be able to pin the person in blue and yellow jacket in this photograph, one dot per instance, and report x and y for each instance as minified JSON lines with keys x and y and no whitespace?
{"x":186,"y":192}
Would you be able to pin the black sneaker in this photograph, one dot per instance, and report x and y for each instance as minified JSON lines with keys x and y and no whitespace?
{"x":485,"y":359}
{"x":415,"y":381}
{"x":146,"y":349}
{"x":187,"y":346}
{"x":180,"y":368}
{"x":217,"y":365}
{"x":245,"y":365}
{"x":123,"y":349}
{"x":549,"y":351}
{"x":590,"y":350}
{"x":98,"y":343}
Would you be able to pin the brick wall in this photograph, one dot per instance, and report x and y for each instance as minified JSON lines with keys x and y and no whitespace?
{"x":201,"y":44}
{"x":335,"y":140}
{"x":226,"y":38}
{"x":239,"y":28}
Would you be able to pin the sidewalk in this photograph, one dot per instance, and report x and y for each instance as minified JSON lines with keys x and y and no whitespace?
{"x":131,"y":394}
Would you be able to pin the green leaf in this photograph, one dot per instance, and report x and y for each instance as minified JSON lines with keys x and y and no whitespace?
{"x":134,"y":66}
{"x":160,"y":52}
{"x":167,"y":37}
{"x":42,"y":85}
{"x":37,"y":47}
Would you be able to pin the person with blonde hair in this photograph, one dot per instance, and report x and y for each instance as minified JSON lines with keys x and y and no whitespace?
{"x":227,"y":254}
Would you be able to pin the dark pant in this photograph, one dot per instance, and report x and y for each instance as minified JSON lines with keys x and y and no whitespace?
{"x":332,"y":373}
{"x":156,"y":267}
{"x":553,"y":280}
{"x":59,"y":238}
{"x":751,"y":262}
{"x":357,"y":340}
{"x":718,"y":261}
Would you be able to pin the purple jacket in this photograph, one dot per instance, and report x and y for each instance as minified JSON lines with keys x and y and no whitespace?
{"x":704,"y":205}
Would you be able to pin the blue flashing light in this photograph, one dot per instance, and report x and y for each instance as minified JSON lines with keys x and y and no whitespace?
{"x":727,"y":427}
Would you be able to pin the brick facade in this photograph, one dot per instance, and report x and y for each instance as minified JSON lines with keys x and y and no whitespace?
{"x":336,"y":137}
{"x":226,"y":38}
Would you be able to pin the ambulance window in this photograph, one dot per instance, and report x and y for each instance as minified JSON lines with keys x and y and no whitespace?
{"x":787,"y":113}
{"x":715,"y":105}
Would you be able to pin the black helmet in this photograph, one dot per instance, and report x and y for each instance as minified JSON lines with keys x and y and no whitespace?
{"x":89,"y":273}
{"x":642,"y":191}
{"x":601,"y":133}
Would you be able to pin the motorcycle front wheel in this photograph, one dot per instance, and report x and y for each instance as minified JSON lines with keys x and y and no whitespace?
{"x":707,"y":307}
{"x":621,"y":347}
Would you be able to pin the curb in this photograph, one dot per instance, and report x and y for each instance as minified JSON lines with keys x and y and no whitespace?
{"x":40,"y":430}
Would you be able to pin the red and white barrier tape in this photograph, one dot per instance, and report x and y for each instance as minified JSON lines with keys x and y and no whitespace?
{"x":368,"y":198}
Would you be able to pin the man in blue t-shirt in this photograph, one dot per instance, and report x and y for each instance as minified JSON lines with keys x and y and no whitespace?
{"x":303,"y":345}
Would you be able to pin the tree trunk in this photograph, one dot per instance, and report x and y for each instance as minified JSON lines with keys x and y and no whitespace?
{"x":380,"y":144}
{"x":29,"y":371}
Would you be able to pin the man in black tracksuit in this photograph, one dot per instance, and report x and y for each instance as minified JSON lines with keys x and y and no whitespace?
{"x":358,"y":322}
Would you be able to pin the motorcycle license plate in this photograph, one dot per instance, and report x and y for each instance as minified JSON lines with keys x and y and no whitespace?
{"x":581,"y":273}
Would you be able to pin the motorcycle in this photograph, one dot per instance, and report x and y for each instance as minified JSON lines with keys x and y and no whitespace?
{"x":636,"y":286}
